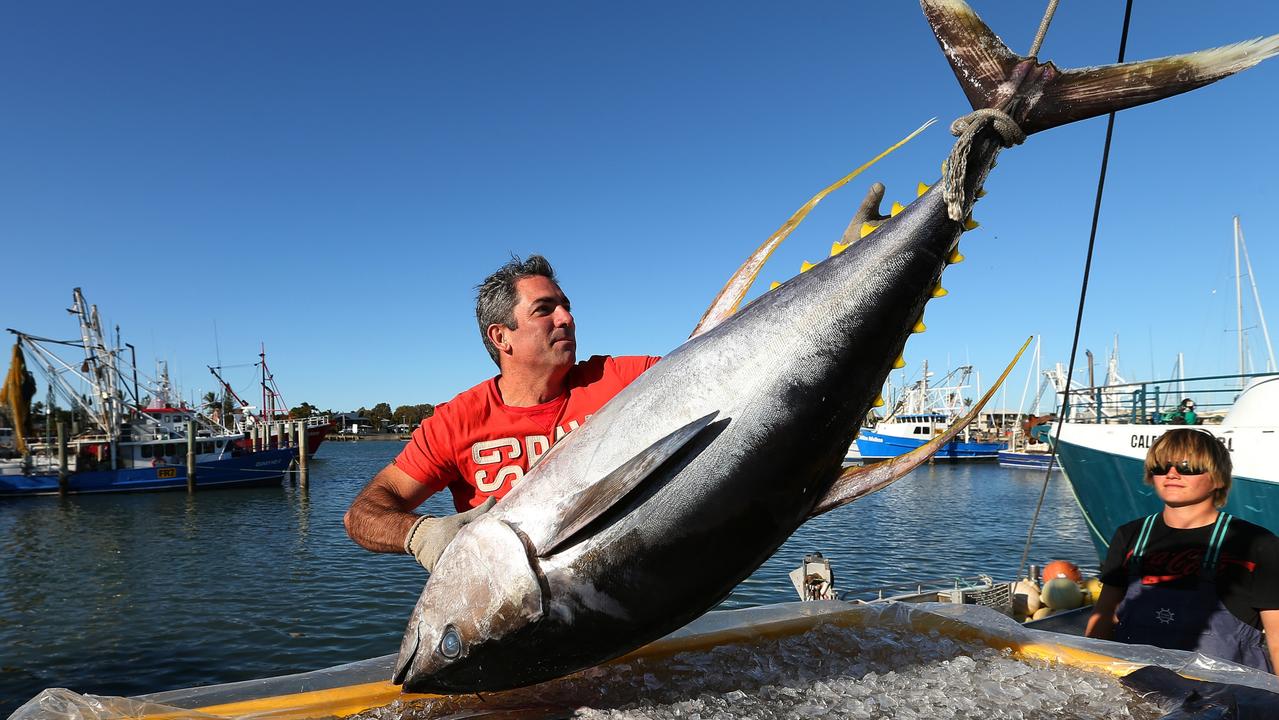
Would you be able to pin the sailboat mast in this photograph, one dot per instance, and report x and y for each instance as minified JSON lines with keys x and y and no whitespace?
{"x":262,"y":363}
{"x":1239,"y":303}
{"x":1181,"y":375}
{"x":1256,"y":298}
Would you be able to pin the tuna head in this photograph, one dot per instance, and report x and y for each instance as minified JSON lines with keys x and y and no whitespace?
{"x":483,"y":593}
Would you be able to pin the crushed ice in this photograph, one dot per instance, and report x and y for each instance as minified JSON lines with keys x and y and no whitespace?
{"x":828,"y":672}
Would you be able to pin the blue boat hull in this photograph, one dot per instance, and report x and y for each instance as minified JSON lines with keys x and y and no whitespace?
{"x":1111,"y":491}
{"x":1035,"y":461}
{"x":874,"y":446}
{"x":259,"y":468}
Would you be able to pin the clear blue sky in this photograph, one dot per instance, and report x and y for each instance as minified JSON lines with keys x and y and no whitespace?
{"x":333,"y":179}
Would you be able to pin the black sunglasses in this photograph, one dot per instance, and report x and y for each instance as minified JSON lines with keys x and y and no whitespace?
{"x":1183,"y":468}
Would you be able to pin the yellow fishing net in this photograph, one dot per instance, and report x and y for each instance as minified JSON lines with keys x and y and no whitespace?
{"x":19,"y":387}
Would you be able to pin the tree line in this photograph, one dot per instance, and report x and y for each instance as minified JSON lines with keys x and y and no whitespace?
{"x":379,"y":415}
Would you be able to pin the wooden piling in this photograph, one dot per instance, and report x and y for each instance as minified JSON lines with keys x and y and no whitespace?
{"x":190,"y":456}
{"x":302,"y":469}
{"x":62,"y":459}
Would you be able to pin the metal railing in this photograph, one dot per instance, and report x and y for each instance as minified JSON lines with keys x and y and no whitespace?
{"x":1151,"y":402}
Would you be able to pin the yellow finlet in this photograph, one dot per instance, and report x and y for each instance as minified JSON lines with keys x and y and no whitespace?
{"x":919,"y":326}
{"x":838,"y":247}
{"x":955,"y":256}
{"x":867,"y":229}
{"x":940,"y":291}
{"x":971,"y":224}
{"x":899,"y":363}
{"x":774,"y":285}
{"x":897,"y":207}
{"x":806,"y":266}
{"x":923,"y":188}
{"x":879,"y":401}
{"x":981,"y":192}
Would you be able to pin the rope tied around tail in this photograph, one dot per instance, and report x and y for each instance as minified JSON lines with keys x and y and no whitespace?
{"x":966,"y":128}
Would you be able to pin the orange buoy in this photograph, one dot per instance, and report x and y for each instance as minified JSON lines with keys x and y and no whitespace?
{"x":1061,"y":568}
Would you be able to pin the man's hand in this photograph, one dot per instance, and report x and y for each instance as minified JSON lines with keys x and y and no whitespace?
{"x":430,"y":535}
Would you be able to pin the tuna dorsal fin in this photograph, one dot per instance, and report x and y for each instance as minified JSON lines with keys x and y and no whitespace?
{"x":730,"y":297}
{"x":857,"y":482}
{"x":593,"y":501}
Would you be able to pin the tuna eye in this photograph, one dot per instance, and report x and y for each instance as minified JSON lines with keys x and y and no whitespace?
{"x":451,"y":643}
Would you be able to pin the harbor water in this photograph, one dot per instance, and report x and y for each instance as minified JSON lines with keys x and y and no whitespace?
{"x":129,"y":594}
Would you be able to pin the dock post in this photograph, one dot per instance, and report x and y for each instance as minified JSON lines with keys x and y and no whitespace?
{"x":62,"y":459}
{"x":302,"y":460}
{"x":190,"y":456}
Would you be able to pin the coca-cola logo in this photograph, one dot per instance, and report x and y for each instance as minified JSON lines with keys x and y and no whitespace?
{"x":1170,"y":565}
{"x":1175,"y":563}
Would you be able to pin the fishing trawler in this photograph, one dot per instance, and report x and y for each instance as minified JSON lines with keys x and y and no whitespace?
{"x":921,"y":413}
{"x":234,"y":413}
{"x":127,"y":442}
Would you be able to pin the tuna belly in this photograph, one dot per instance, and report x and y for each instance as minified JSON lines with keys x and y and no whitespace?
{"x":669,"y":555}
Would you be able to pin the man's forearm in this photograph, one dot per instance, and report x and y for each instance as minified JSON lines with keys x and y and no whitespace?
{"x":375,"y":522}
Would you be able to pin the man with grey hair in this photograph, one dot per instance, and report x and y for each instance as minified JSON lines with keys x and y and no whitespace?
{"x":480,"y":443}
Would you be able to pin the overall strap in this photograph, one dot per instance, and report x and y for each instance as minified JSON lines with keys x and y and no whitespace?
{"x":1139,"y":548}
{"x":1214,"y":544}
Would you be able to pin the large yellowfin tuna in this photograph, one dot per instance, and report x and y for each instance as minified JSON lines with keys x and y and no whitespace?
{"x":731,"y":442}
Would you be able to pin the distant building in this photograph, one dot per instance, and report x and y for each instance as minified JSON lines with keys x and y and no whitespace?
{"x":352,"y":424}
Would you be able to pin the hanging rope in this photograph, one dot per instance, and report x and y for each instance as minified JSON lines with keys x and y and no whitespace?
{"x":966,"y":129}
{"x":1043,"y":29}
{"x":1083,"y":294}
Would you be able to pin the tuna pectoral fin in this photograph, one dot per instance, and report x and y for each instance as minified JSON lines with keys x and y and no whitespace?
{"x":857,"y":482}
{"x":592,"y":502}
{"x":1040,"y":96}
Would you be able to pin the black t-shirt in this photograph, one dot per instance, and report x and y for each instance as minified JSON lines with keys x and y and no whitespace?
{"x":1247,"y":571}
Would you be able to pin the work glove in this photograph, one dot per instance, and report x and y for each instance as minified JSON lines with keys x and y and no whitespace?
{"x":429,"y":536}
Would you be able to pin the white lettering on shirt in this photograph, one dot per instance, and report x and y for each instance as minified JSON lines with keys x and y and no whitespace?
{"x":504,"y":450}
{"x":490,"y":452}
{"x":536,"y":446}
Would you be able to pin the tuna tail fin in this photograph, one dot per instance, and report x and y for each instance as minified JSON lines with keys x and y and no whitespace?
{"x":1040,"y":96}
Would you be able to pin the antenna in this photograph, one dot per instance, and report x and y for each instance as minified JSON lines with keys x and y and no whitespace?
{"x":1256,"y":297}
{"x":217,"y":349}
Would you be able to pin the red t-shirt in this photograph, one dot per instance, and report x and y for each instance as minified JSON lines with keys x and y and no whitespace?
{"x":478,"y":446}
